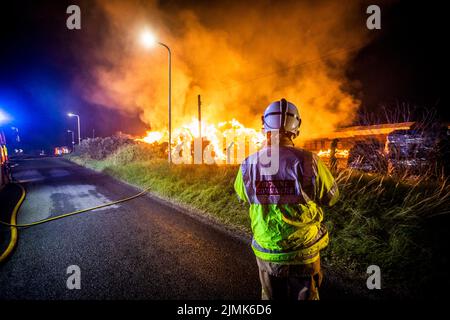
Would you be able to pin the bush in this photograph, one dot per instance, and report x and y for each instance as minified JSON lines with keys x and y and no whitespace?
{"x":138,"y":152}
{"x":100,"y":148}
{"x":397,"y":225}
{"x":119,"y":149}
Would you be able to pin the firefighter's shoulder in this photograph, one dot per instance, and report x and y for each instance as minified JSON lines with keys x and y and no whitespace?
{"x":300,"y":152}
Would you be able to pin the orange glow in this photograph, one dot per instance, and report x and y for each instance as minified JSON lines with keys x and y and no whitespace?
{"x":220,"y":136}
{"x":340,"y":153}
{"x":299,"y":50}
{"x":152,"y":137}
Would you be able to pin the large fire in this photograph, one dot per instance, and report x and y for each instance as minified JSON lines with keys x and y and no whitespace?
{"x":223,"y":137}
{"x":152,"y":137}
{"x":298,"y":50}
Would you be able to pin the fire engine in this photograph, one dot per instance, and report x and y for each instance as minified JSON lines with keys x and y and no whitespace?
{"x":5,"y":175}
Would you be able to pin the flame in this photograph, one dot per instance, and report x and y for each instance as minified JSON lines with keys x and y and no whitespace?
{"x":220,"y":136}
{"x":152,"y":137}
{"x":340,"y":153}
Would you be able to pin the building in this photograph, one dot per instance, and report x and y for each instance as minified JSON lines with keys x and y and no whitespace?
{"x":348,"y":137}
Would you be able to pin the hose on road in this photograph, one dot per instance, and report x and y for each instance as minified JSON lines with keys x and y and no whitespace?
{"x":14,"y":234}
{"x":26,"y":225}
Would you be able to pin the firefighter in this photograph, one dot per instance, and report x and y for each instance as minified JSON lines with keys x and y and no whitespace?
{"x":286,"y":208}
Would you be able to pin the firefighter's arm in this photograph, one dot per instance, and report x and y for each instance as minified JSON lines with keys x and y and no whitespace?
{"x":326,"y":186}
{"x":239,"y":186}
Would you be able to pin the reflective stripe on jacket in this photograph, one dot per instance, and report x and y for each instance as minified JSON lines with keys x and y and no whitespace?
{"x":285,"y":207}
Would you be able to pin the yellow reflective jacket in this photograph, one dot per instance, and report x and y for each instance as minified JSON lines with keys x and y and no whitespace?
{"x":286,"y":206}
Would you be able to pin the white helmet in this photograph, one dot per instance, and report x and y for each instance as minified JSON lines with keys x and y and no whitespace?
{"x":283,"y":116}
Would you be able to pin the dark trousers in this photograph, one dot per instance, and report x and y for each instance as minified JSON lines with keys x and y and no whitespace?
{"x":289,"y":281}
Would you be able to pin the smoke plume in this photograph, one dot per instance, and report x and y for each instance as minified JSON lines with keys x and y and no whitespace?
{"x":239,"y":57}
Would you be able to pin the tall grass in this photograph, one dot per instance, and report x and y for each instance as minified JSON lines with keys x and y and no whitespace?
{"x":399,"y":225}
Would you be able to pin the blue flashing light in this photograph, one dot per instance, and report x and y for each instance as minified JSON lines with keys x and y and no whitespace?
{"x":4,"y":117}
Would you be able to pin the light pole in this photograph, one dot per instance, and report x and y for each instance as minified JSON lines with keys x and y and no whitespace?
{"x":149,"y":40}
{"x":70,"y":114}
{"x":73,"y":139}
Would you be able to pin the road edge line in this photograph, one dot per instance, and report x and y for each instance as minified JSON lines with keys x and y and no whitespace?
{"x":14,"y":234}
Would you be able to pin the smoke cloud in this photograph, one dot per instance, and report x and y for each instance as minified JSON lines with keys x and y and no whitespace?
{"x":239,"y":57}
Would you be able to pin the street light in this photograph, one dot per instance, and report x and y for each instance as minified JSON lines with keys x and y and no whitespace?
{"x":73,"y":139}
{"x":70,"y":114}
{"x":148,"y":40}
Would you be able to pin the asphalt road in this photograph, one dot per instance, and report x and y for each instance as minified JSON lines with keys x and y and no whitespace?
{"x":141,"y":249}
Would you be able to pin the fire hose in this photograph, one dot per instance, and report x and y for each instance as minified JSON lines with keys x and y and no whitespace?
{"x":14,"y":225}
{"x":31,"y":224}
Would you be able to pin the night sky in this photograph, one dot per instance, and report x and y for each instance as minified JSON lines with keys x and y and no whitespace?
{"x":403,"y":64}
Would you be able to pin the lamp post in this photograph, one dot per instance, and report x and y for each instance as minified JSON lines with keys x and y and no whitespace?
{"x":70,"y":114}
{"x":73,"y":139}
{"x":149,"y":40}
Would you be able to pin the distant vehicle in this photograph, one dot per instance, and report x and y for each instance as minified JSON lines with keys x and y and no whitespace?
{"x":368,"y":156}
{"x":59,"y":151}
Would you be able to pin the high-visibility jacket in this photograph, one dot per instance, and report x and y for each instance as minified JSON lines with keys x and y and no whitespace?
{"x":286,"y":206}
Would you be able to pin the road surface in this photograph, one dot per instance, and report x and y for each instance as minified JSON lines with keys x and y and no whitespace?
{"x":142,"y":249}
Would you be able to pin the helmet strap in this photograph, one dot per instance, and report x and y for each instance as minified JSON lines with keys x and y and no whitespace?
{"x":283,"y":107}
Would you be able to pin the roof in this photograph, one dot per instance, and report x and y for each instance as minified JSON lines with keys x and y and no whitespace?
{"x":378,"y":129}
